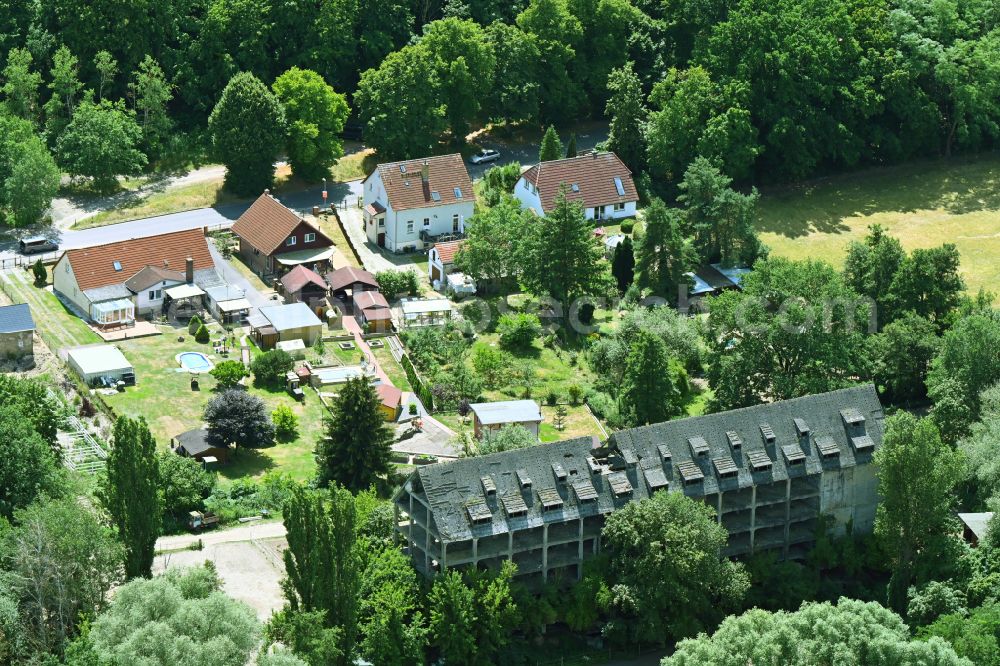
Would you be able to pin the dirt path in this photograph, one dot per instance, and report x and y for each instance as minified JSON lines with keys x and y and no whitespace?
{"x":247,"y":532}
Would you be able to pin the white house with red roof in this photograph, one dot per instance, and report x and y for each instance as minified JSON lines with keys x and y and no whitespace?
{"x":599,"y":182}
{"x":410,"y":205}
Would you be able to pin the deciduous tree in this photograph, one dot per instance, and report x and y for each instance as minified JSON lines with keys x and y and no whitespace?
{"x":315,"y":114}
{"x":239,"y":418}
{"x":129,"y":492}
{"x":917,"y":476}
{"x":28,"y":468}
{"x":20,"y":85}
{"x":491,"y":251}
{"x":101,"y":142}
{"x":628,"y":116}
{"x":248,"y":131}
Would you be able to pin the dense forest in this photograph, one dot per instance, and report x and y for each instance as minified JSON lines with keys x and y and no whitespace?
{"x":771,"y":91}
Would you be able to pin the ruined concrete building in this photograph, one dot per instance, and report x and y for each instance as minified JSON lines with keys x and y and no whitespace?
{"x":769,"y":471}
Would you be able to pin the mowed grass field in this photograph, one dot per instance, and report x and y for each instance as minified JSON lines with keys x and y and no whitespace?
{"x":924,"y":204}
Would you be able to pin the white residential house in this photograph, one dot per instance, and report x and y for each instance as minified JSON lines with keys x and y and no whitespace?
{"x":411,"y":205}
{"x":600,"y":182}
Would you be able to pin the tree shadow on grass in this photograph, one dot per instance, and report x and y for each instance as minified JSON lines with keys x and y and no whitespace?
{"x":246,"y":462}
{"x":959,"y":186}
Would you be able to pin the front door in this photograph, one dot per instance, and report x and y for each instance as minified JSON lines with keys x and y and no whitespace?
{"x":381,"y":239}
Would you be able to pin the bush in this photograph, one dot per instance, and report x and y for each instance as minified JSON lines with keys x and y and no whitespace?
{"x":286,"y":424}
{"x":551,"y":398}
{"x":392,"y":283}
{"x":269,"y":369}
{"x":202,"y":335}
{"x":41,"y":275}
{"x":627,"y":226}
{"x":586,"y":313}
{"x":575,"y":393}
{"x":605,"y":407}
{"x":518,"y":330}
{"x":427,"y":398}
{"x":194,"y":325}
{"x":229,"y":373}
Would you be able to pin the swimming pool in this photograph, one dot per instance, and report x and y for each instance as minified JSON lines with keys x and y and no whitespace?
{"x":194,"y":362}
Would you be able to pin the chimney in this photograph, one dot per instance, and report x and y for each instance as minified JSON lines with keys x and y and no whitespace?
{"x":189,"y":270}
{"x":425,"y":172}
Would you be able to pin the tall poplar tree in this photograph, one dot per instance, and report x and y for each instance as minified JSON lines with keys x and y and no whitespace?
{"x":130,"y":493}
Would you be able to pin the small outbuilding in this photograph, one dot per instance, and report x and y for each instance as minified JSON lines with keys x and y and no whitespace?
{"x":372,"y":311}
{"x":491,"y":416}
{"x":101,"y":365}
{"x":304,"y":285}
{"x":392,"y":401}
{"x":974,"y":526}
{"x":17,"y":329}
{"x":293,"y":321}
{"x":194,"y":444}
{"x":419,"y":312}
{"x":348,"y":281}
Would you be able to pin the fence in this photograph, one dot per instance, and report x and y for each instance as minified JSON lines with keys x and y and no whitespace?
{"x":22,"y":260}
{"x":81,"y":452}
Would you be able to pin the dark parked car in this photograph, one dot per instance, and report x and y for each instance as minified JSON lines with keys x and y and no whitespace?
{"x":37,"y":244}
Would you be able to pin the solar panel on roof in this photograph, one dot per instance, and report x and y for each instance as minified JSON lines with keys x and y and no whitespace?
{"x":863,"y":443}
{"x":620,"y":485}
{"x":699,"y":446}
{"x":725,"y":467}
{"x":619,"y":186}
{"x":514,"y":505}
{"x":793,"y":453}
{"x":690,"y":472}
{"x":489,"y":487}
{"x":759,"y":460}
{"x":655,"y":478}
{"x":827,"y":447}
{"x":801,"y":427}
{"x":767,"y":431}
{"x":550,"y":499}
{"x":479,"y":513}
{"x":584,"y":490}
{"x":734,"y":440}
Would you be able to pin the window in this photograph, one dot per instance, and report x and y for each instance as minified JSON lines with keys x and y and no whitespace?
{"x":291,"y":240}
{"x":256,"y":252}
{"x":458,"y":192}
{"x":155,"y":294}
{"x":619,"y":207}
{"x":409,"y":226}
{"x":427,"y":221}
{"x":310,"y":237}
{"x":454,"y":223}
{"x":619,"y":187}
{"x":381,"y":223}
{"x":118,"y":266}
{"x":599,"y":213}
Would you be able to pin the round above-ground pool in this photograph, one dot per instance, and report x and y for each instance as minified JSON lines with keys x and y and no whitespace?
{"x":194,"y":362}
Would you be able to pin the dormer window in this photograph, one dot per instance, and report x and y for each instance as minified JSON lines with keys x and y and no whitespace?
{"x":767,"y":433}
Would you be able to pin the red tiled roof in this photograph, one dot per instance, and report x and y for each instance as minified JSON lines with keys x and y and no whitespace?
{"x":348,"y":275}
{"x":370,"y":300}
{"x":299,"y":277}
{"x":95,"y":267}
{"x":405,"y":187}
{"x":594,"y":175}
{"x":389,"y":395}
{"x":447,"y":251}
{"x":267,"y":223}
{"x":375,"y":208}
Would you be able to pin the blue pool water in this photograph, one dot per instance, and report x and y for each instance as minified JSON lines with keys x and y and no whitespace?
{"x":194,"y":362}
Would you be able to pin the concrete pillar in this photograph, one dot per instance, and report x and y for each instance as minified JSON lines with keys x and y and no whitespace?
{"x":475,"y":552}
{"x":444,"y":556}
{"x":395,"y":525}
{"x":510,"y":545}
{"x":545,"y":551}
{"x":788,"y":514}
{"x":579,"y":552}
{"x":753,"y":514}
{"x":718,"y":508}
{"x":427,"y":549}
{"x":412,"y":522}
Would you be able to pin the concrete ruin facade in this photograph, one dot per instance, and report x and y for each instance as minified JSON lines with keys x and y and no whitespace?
{"x":771,"y":472}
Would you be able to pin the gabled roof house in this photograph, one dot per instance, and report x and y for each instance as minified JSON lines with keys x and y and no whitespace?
{"x":413,"y":204}
{"x":110,"y":284}
{"x":599,"y":182}
{"x":274,"y":238}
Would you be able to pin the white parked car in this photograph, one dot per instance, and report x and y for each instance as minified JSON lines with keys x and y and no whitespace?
{"x":485,"y":155}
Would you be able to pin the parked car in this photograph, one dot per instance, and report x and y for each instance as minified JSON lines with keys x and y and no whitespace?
{"x":37,"y":244}
{"x":485,"y":155}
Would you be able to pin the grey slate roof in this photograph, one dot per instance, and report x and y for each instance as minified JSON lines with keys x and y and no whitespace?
{"x":660,"y":452}
{"x":16,"y":318}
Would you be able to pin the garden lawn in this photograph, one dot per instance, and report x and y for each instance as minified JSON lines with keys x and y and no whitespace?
{"x":57,"y":326}
{"x":164,"y":397}
{"x":554,"y":371}
{"x":924,"y":204}
{"x":328,"y":225}
{"x":172,"y":200}
{"x":391,"y":367}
